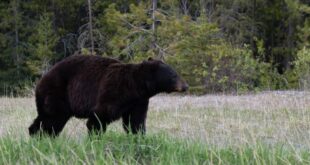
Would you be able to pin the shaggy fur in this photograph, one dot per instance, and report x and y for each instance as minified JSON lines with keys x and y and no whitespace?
{"x":102,"y":90}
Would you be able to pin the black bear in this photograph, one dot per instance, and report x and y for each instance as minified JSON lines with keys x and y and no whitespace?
{"x":102,"y":90}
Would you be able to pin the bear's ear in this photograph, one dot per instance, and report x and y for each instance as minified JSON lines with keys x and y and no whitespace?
{"x":149,"y":59}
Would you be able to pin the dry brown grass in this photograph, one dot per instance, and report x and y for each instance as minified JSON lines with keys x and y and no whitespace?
{"x":269,"y":117}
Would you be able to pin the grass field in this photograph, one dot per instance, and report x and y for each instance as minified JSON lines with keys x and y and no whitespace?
{"x":265,"y":128}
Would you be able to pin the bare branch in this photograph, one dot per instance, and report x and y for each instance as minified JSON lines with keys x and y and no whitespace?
{"x":136,"y":27}
{"x":90,"y":27}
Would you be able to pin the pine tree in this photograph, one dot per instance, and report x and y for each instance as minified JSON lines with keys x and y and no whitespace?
{"x":43,"y":41}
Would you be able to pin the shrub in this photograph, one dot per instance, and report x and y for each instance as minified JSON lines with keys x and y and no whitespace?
{"x":302,"y":68}
{"x":223,"y":68}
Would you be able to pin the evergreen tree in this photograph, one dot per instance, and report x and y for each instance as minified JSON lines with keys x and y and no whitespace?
{"x":43,"y":41}
{"x":193,"y":35}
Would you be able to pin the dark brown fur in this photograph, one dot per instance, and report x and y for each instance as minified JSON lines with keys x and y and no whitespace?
{"x":102,"y":90}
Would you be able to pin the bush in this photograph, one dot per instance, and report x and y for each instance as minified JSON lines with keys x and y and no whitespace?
{"x":223,"y":68}
{"x":302,"y":68}
{"x":194,"y":47}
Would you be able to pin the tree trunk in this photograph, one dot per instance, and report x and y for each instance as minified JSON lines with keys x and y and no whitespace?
{"x":90,"y":27}
{"x":154,"y":8}
{"x":203,"y":13}
{"x":211,"y":10}
{"x":184,"y":6}
{"x":252,"y":42}
{"x":16,"y":31}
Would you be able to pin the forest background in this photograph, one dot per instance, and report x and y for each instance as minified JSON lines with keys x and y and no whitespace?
{"x":229,"y":46}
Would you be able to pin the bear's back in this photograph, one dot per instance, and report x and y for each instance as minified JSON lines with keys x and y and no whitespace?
{"x":76,"y":80}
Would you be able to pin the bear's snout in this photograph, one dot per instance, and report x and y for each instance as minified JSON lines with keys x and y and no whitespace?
{"x":185,"y":87}
{"x":181,"y":86}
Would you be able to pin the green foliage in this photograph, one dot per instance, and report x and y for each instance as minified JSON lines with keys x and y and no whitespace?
{"x":191,"y":44}
{"x":224,"y":45}
{"x":129,"y":37}
{"x":223,"y":68}
{"x":304,"y":34}
{"x":303,"y":67}
{"x":301,"y":71}
{"x":192,"y":47}
{"x":44,"y":41}
{"x":195,"y":49}
{"x":13,"y":48}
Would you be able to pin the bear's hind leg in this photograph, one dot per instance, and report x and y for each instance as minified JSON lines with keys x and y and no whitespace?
{"x":51,"y":126}
{"x":54,"y":125}
{"x":35,"y":126}
{"x":53,"y":114}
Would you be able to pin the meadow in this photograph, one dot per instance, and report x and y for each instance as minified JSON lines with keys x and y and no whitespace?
{"x":263,"y":128}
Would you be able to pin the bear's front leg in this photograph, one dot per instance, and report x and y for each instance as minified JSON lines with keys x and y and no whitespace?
{"x":96,"y":125}
{"x":101,"y":117}
{"x":134,"y":119}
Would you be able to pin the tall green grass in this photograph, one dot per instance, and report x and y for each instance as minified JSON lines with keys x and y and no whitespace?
{"x":119,"y":148}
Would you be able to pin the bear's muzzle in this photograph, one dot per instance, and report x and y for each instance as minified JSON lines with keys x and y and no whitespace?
{"x":181,"y":86}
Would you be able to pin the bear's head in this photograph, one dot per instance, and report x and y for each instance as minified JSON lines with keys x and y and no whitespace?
{"x":163,"y":78}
